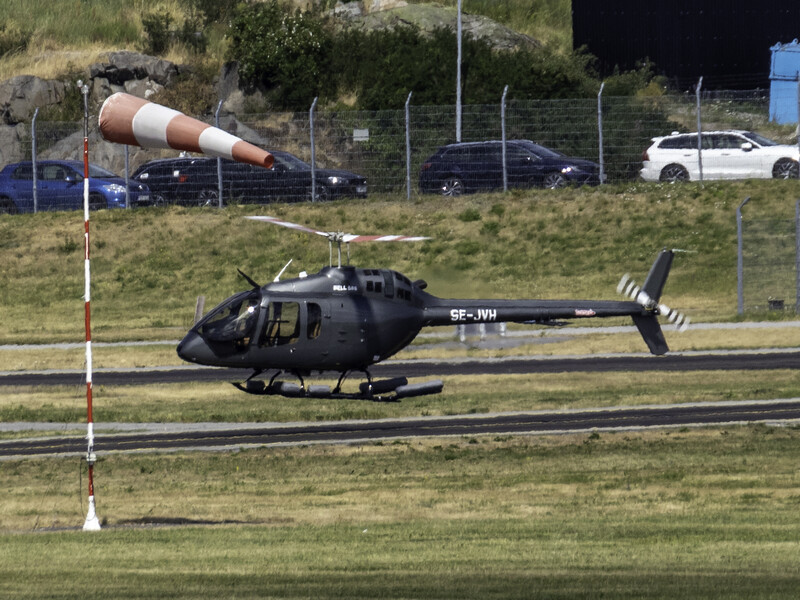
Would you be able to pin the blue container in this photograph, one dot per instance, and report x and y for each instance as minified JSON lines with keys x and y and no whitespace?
{"x":783,"y":82}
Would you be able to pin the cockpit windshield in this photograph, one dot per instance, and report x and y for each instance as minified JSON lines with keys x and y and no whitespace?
{"x":233,"y":320}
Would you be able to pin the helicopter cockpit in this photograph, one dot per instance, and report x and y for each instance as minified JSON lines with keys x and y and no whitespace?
{"x":232,"y":321}
{"x":250,"y":319}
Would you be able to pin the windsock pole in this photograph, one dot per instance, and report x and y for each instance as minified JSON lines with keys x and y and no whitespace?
{"x":92,"y":523}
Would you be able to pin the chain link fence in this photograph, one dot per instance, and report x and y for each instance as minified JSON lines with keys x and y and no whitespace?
{"x":389,"y":147}
{"x":769,"y":265}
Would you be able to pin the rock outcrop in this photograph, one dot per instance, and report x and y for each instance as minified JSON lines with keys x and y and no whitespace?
{"x":20,"y":96}
{"x":386,"y":14}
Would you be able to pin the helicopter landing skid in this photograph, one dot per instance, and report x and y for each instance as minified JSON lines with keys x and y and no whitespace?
{"x":382,"y":390}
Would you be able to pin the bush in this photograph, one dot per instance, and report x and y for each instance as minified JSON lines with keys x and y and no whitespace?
{"x":13,"y":38}
{"x":284,"y":54}
{"x":157,"y":32}
{"x":382,"y":66}
{"x":160,"y":34}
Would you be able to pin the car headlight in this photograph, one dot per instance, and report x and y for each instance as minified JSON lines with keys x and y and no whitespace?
{"x":114,"y":188}
{"x":334,"y":180}
{"x":571,"y":169}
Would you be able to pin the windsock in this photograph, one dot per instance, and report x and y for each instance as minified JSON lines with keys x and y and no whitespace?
{"x":126,"y":119}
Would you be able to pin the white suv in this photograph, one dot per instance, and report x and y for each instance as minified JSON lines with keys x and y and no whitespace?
{"x":725,"y":155}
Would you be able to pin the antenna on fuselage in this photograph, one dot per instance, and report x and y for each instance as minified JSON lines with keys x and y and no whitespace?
{"x":286,"y":266}
{"x":339,"y":236}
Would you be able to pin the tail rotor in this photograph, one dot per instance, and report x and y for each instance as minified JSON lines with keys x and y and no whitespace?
{"x":628,"y":287}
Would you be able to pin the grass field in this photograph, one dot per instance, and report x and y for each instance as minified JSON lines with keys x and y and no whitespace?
{"x":220,"y":402}
{"x":149,"y":266}
{"x":707,"y":513}
{"x":701,"y":514}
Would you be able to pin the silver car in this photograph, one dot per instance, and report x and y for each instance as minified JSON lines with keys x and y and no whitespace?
{"x":724,"y":155}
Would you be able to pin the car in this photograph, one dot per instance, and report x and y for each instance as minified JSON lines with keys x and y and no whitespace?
{"x":731,"y":154}
{"x":194,"y":181}
{"x":467,"y":167}
{"x":59,"y":186}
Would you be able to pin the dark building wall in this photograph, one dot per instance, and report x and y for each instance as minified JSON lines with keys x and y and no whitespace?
{"x":725,"y":41}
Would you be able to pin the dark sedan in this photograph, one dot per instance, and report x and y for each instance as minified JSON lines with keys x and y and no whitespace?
{"x":469,"y":167}
{"x":194,"y":181}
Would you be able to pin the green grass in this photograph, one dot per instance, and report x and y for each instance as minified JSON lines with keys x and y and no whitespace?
{"x":149,"y":266}
{"x":220,"y":402}
{"x":79,"y":23}
{"x":702,"y":514}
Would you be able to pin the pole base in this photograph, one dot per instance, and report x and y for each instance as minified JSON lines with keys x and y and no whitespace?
{"x":91,"y":523}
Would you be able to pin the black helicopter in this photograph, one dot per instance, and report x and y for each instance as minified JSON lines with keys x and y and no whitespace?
{"x":345,"y":319}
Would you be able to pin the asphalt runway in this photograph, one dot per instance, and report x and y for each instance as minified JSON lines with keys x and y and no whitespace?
{"x":685,"y":361}
{"x":228,"y":436}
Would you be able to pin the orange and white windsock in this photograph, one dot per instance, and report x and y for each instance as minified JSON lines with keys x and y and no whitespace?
{"x":126,"y":119}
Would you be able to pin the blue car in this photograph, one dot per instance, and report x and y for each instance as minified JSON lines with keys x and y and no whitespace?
{"x":469,"y":167}
{"x":59,"y":186}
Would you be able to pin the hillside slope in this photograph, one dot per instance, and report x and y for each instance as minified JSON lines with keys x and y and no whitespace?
{"x":150,"y":265}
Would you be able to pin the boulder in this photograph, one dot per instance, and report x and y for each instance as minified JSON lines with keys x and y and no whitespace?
{"x":125,"y":66}
{"x":379,"y":5}
{"x":427,"y":17}
{"x":15,"y":140}
{"x":20,"y":96}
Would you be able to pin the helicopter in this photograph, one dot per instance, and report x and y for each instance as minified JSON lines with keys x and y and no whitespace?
{"x":345,"y":319}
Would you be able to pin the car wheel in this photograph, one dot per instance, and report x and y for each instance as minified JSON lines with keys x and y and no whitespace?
{"x":97,"y":202}
{"x":7,"y":207}
{"x":452,"y":186}
{"x":554,"y":180}
{"x":208,"y":197}
{"x":785,"y":168}
{"x":323,"y":194}
{"x":674,"y":172}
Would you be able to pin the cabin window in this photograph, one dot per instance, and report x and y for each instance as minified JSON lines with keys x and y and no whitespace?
{"x":388,"y":284}
{"x":233,"y":320}
{"x":314,"y":320}
{"x":282,"y":325}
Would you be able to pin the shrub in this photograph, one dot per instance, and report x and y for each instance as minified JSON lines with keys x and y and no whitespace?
{"x":284,"y":54}
{"x":13,"y":38}
{"x":157,"y":32}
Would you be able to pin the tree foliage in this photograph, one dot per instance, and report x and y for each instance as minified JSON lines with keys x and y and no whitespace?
{"x":283,"y":53}
{"x":293,"y":56}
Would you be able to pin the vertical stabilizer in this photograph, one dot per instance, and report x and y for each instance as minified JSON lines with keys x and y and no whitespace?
{"x":657,"y":277}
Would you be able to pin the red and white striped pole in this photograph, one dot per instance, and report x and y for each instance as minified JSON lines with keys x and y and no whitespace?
{"x":92,"y":523}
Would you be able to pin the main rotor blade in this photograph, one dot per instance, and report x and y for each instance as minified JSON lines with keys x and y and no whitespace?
{"x":338,"y":236}
{"x":275,"y":221}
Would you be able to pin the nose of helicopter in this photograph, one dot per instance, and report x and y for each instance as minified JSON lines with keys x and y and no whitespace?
{"x":193,"y":348}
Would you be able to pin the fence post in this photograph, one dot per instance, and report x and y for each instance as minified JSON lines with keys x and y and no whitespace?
{"x":600,"y":130}
{"x":503,"y":130}
{"x":219,"y":160}
{"x":740,"y":258}
{"x":797,"y":256}
{"x":408,"y":149}
{"x":33,"y":161}
{"x":699,"y":134}
{"x":127,"y":176}
{"x":313,"y":151}
{"x":458,"y":74}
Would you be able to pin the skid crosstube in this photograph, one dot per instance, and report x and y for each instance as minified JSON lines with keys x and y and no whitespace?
{"x":385,"y":390}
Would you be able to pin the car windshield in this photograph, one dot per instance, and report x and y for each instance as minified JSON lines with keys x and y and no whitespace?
{"x":95,"y":171}
{"x":759,"y":139}
{"x":540,"y":151}
{"x":290,"y":162}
